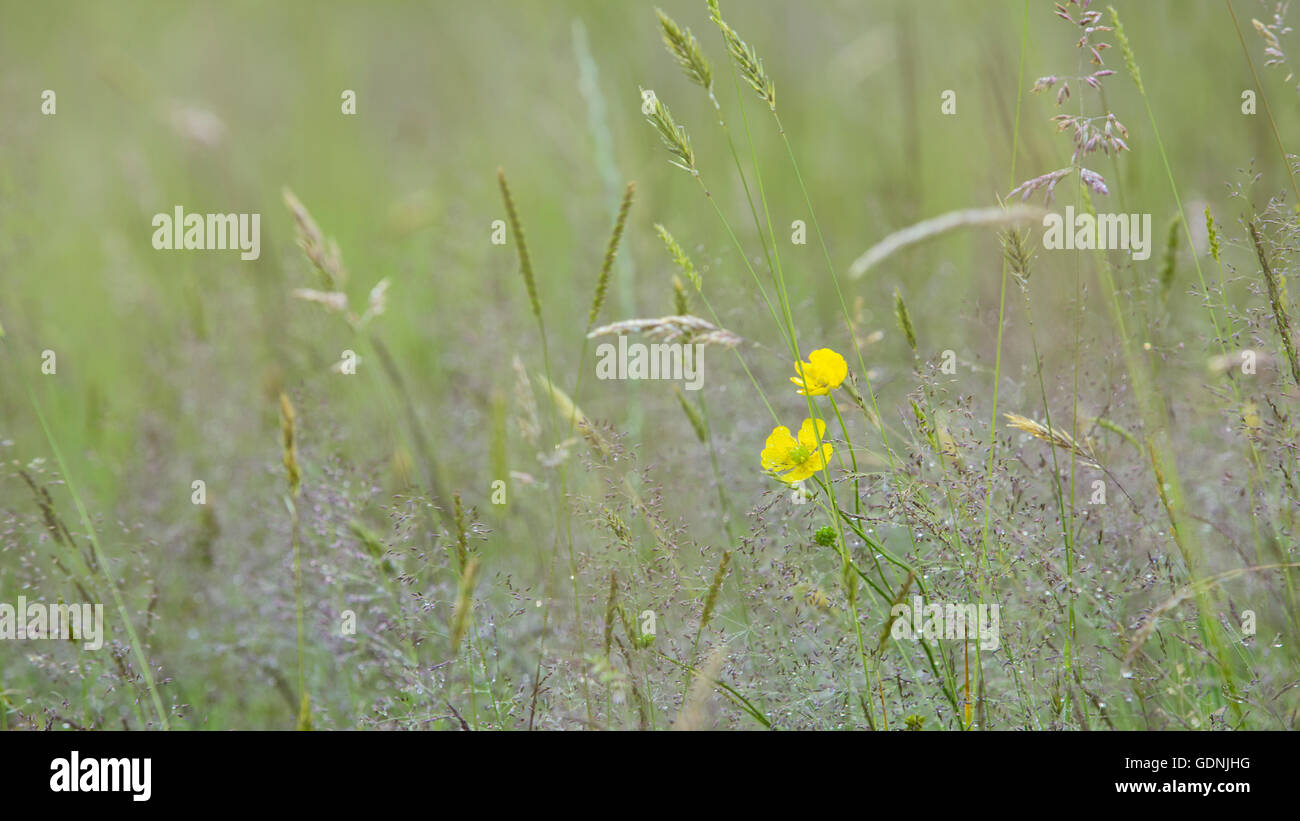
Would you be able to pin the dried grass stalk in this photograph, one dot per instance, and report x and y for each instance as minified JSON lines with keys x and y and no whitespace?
{"x":1053,"y":436}
{"x":324,"y":255}
{"x":672,"y":329}
{"x":921,"y":231}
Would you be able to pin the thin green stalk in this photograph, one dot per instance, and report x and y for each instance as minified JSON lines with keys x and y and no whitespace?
{"x":562,"y":512}
{"x":1154,"y":411}
{"x":1277,"y":137}
{"x":102,"y":560}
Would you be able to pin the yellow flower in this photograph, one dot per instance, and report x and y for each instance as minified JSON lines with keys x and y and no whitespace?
{"x":796,"y":459}
{"x":824,"y":371}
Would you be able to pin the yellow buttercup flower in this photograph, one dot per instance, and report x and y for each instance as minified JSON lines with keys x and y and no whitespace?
{"x":797,"y":459}
{"x":824,"y":371}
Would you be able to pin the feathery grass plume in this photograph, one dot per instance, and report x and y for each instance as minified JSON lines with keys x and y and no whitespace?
{"x":1270,"y":39}
{"x":904,"y":320}
{"x":602,"y":282}
{"x":674,"y":136}
{"x":1053,"y":436}
{"x":751,"y":67}
{"x":1016,"y":251}
{"x":679,"y":256}
{"x":1213,"y":234}
{"x":1130,"y":61}
{"x":671,"y":329}
{"x":1274,"y":54}
{"x":462,"y":543}
{"x":1280,"y":318}
{"x":711,"y":598}
{"x":323,"y":255}
{"x":376,"y":301}
{"x":464,"y":603}
{"x":290,"y":446}
{"x":681,"y":302}
{"x":610,"y":604}
{"x":1167,"y":265}
{"x":936,"y":226}
{"x":1047,"y":182}
{"x":1060,"y":439}
{"x":681,"y":43}
{"x":521,"y":246}
{"x":693,"y":414}
{"x":334,"y":301}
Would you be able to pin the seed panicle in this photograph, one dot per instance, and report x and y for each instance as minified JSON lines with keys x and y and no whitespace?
{"x":521,"y":246}
{"x":681,"y":43}
{"x":602,"y":282}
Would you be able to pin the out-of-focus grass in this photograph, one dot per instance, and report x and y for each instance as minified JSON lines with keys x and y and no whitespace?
{"x":169,"y":362}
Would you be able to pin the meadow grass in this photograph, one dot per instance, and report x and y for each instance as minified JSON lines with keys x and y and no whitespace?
{"x":879,"y":423}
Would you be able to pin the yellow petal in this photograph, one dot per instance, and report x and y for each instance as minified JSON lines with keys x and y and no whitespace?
{"x":831,"y":367}
{"x":801,"y":471}
{"x":776,"y":453}
{"x":826,"y":451}
{"x":811,"y":433}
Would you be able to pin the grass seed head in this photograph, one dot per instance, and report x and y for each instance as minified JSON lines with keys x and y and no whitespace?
{"x":746,"y":59}
{"x":1053,"y":436}
{"x":521,"y":246}
{"x":681,"y":43}
{"x":679,"y":257}
{"x":904,"y":320}
{"x":602,"y":282}
{"x":674,"y":136}
{"x":290,"y":445}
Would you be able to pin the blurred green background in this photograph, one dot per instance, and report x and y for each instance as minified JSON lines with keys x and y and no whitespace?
{"x":169,"y":362}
